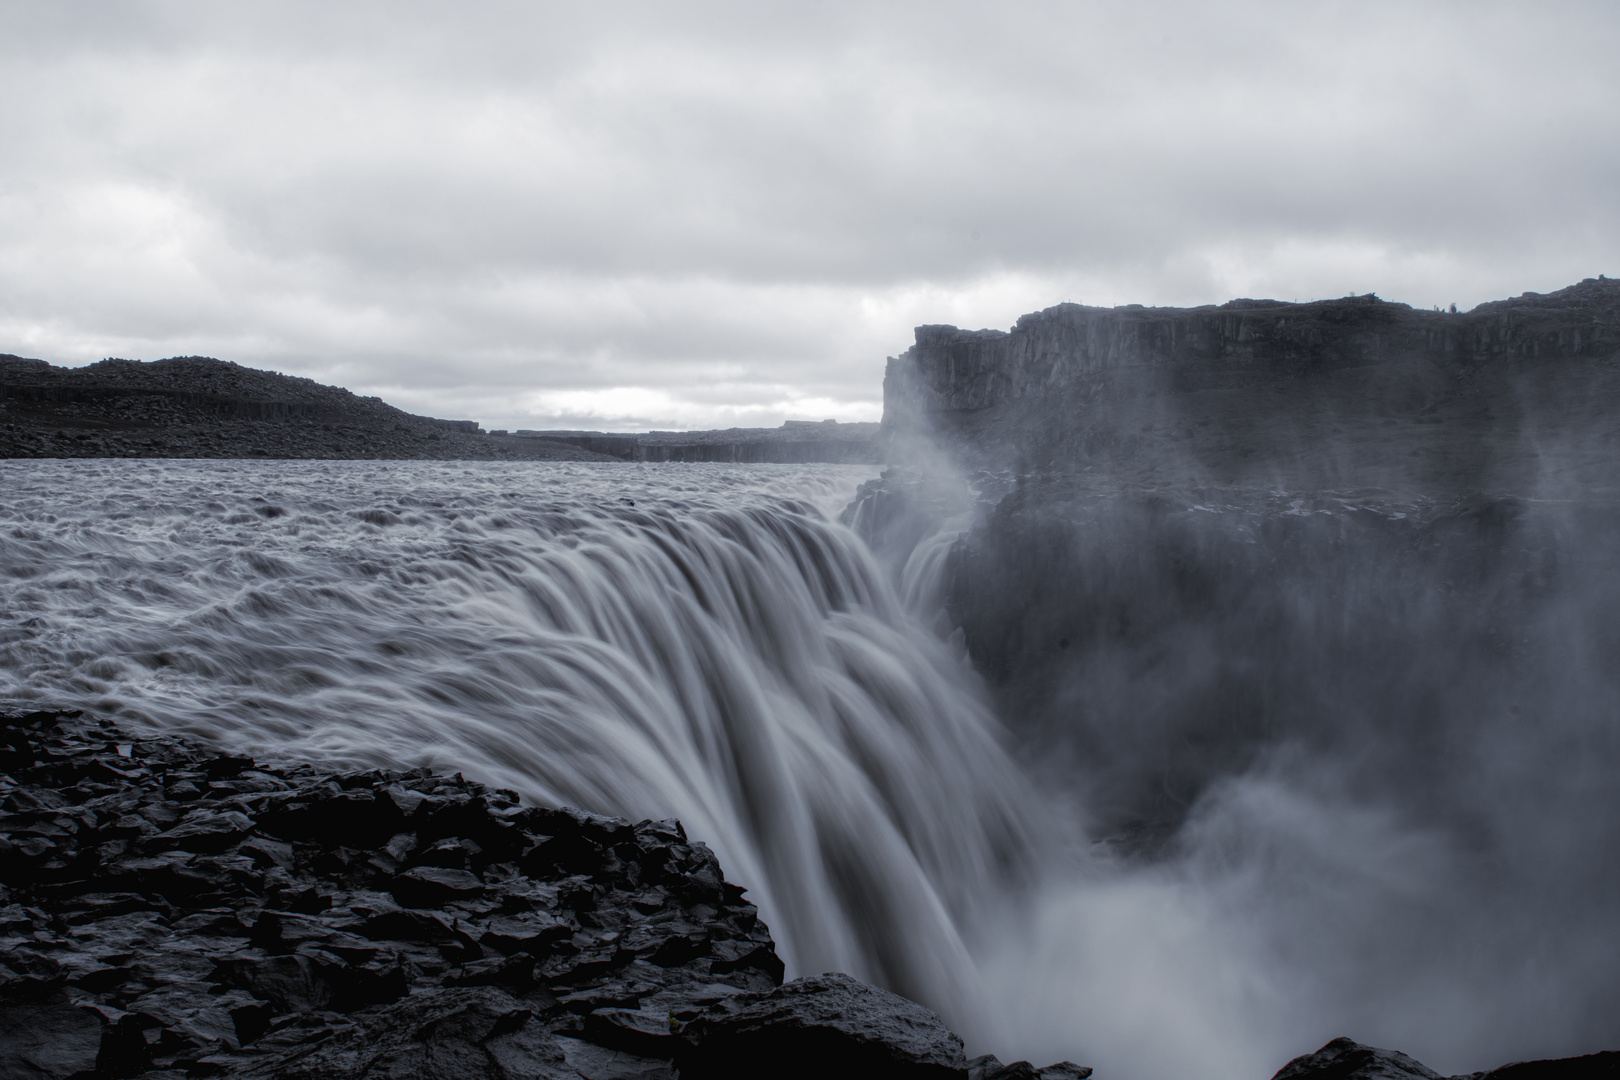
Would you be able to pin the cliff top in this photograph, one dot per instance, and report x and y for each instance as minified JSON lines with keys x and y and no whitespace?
{"x":1591,"y":297}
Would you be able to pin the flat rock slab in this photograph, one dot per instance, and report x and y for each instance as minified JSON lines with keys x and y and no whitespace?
{"x":825,"y":1025}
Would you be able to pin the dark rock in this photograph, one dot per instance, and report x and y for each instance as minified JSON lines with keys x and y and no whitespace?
{"x":643,"y":1033}
{"x":989,"y":1067}
{"x":431,"y":886}
{"x":829,"y":1025}
{"x":531,"y":932}
{"x":461,"y":1034}
{"x":206,"y":832}
{"x":46,"y":1038}
{"x":1603,"y":1066}
{"x":1346,"y":1059}
{"x":594,"y":1062}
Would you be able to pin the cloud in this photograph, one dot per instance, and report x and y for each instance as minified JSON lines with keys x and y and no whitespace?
{"x":649,"y":214}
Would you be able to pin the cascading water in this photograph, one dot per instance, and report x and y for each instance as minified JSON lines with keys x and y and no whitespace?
{"x":677,"y":641}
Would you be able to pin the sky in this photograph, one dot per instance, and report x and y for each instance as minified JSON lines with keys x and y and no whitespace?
{"x":626,"y":216}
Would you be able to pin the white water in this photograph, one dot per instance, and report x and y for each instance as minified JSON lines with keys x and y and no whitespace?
{"x":695,"y":641}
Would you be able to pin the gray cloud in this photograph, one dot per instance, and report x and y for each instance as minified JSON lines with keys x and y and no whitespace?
{"x":648,"y":214}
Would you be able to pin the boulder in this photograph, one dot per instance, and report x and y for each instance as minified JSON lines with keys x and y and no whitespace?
{"x":1346,"y":1059}
{"x":989,"y":1067}
{"x":826,"y":1025}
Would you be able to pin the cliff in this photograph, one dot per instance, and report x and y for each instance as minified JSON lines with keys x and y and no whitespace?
{"x":1350,"y":392}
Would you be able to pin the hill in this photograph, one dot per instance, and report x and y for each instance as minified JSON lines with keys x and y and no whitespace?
{"x":199,"y":407}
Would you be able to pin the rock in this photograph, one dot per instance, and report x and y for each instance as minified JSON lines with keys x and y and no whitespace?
{"x":1604,"y":1066}
{"x":46,"y":1038}
{"x":1346,"y":1059}
{"x":593,"y":1062}
{"x":647,"y":1034}
{"x":432,"y":886}
{"x":461,"y":1034}
{"x":825,"y":1025}
{"x":989,"y":1067}
{"x":207,"y":832}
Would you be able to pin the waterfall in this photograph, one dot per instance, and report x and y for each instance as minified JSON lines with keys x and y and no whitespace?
{"x":729,"y":657}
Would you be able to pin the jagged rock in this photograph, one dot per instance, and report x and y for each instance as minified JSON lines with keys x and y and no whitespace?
{"x":989,"y":1067}
{"x":1346,"y":1059}
{"x":46,"y":1038}
{"x":830,"y":1025}
{"x":242,"y":921}
{"x":594,"y":1062}
{"x":1603,"y":1066}
{"x":431,"y":886}
{"x":461,"y":1034}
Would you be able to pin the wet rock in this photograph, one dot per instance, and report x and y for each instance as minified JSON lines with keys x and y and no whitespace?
{"x":594,"y":1062}
{"x":989,"y":1067}
{"x":830,"y":1025}
{"x":461,"y":1034}
{"x":432,"y":886}
{"x":1604,"y":1066}
{"x":1346,"y":1059}
{"x":47,"y":1038}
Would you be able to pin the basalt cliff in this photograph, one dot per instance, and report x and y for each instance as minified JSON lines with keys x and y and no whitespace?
{"x":1354,"y":392}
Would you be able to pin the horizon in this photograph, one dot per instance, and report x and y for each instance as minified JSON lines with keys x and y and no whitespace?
{"x":633,"y":219}
{"x":488,"y":428}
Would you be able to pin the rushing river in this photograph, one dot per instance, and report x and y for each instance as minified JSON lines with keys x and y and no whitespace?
{"x":707,"y":642}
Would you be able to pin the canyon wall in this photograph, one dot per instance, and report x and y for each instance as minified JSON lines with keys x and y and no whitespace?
{"x":1358,"y":391}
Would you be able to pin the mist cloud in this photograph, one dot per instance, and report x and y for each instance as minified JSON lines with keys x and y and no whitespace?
{"x":642,"y":215}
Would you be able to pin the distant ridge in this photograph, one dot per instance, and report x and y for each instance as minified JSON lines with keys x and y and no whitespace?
{"x":795,"y":442}
{"x":200,"y":407}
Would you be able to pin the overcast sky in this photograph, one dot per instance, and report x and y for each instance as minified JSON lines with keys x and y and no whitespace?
{"x":692,"y":215}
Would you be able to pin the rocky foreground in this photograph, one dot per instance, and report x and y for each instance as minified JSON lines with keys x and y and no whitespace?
{"x":169,"y":911}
